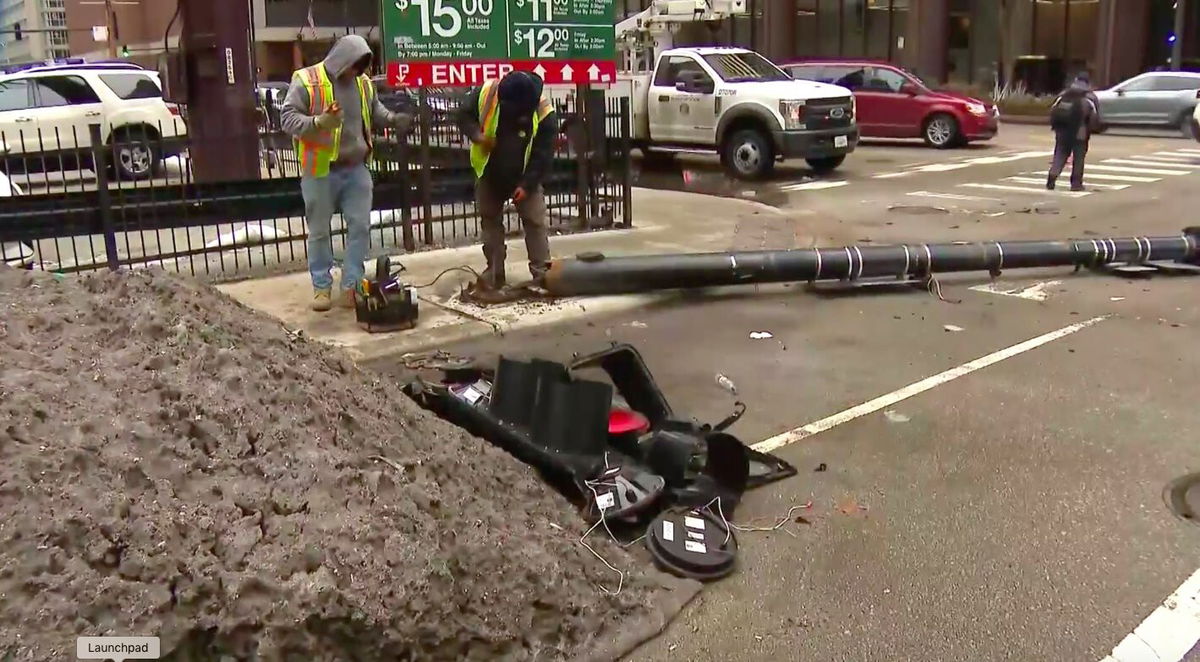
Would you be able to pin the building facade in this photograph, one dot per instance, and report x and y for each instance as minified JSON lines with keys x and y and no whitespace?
{"x":37,"y":20}
{"x":284,"y":40}
{"x":970,"y":42}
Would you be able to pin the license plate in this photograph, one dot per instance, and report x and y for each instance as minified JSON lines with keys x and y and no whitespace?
{"x":841,"y":141}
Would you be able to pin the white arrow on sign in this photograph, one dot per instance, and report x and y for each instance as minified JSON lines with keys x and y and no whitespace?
{"x":540,"y":71}
{"x":594,"y":72}
{"x":567,"y":72}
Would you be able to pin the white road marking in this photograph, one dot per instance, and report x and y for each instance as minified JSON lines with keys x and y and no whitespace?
{"x":1136,"y":171}
{"x":1183,"y":169}
{"x":1186,"y":150}
{"x":1026,"y":189}
{"x":1092,"y":175}
{"x":812,"y":186}
{"x":1035,"y":292}
{"x":1042,"y":181}
{"x":1186,"y":158}
{"x":952,"y":196}
{"x":979,"y":160}
{"x":916,"y":388}
{"x":1169,"y":632}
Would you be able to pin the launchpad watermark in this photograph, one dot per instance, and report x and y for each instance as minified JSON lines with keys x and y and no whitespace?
{"x":117,"y":648}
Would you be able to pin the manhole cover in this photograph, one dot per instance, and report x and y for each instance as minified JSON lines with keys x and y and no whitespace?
{"x":1183,"y":497}
{"x":918,"y":210}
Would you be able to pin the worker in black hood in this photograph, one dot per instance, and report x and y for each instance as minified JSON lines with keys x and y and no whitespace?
{"x":511,"y":125}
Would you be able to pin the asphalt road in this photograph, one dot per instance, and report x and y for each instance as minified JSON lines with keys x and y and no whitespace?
{"x":1012,"y":513}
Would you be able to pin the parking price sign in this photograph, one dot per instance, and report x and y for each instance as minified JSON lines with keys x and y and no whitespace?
{"x":449,"y":43}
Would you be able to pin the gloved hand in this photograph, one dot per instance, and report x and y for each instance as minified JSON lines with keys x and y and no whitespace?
{"x":331,"y":118}
{"x":404,"y":124}
{"x":484,"y":141}
{"x":519,"y":194}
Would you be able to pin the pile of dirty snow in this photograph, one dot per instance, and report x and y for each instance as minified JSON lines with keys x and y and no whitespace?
{"x":173,"y":464}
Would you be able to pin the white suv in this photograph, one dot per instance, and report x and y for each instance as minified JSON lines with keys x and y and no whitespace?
{"x":45,"y":113}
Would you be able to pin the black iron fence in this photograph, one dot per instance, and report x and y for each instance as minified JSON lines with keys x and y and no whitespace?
{"x":90,"y":196}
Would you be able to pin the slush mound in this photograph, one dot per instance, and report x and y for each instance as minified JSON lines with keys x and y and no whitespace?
{"x":174,"y":464}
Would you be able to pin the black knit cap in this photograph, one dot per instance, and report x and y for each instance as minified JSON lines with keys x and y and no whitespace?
{"x":520,"y":89}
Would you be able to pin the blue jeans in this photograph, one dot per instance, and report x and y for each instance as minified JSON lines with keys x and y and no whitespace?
{"x":347,"y":190}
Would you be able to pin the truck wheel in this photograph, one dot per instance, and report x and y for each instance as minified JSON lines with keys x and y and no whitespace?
{"x":941,"y":131}
{"x":826,"y":164}
{"x":748,"y":154}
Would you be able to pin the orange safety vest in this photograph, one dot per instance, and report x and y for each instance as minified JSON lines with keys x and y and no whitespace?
{"x":489,"y":120}
{"x":317,"y":150}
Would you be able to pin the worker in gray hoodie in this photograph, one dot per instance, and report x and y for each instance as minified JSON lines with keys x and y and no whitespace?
{"x":330,"y":111}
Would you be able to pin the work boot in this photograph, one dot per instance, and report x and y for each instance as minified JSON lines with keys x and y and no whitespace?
{"x":493,"y":279}
{"x":322,"y":299}
{"x":1050,"y":184}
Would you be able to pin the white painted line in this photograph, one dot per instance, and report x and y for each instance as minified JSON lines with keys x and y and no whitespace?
{"x":1136,"y":171}
{"x":952,"y":196}
{"x":1186,"y":150}
{"x":1172,"y":156}
{"x":942,"y":167}
{"x":990,"y":160}
{"x":916,"y":388}
{"x":1169,"y":632}
{"x":1183,"y":170}
{"x":1035,"y":292}
{"x":813,"y":186}
{"x":891,"y":175}
{"x":1042,"y":181}
{"x":1032,"y":191}
{"x":1112,"y":178}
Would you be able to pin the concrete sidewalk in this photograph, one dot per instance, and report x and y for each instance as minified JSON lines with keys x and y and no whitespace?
{"x":664,"y":222}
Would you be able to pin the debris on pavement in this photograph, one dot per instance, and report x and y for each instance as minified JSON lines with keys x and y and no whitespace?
{"x":953,"y":328}
{"x":200,"y":473}
{"x":435,"y":360}
{"x":617,"y":450}
{"x":895,"y":416}
{"x":727,"y":384}
{"x":761,"y":335}
{"x":638,"y":324}
{"x":821,"y":467}
{"x":1116,"y":298}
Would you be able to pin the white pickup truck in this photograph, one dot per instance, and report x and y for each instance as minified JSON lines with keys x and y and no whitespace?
{"x":736,"y":103}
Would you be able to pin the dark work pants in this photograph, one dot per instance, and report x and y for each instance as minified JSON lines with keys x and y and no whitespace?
{"x":1068,"y":145}
{"x":532,"y":212}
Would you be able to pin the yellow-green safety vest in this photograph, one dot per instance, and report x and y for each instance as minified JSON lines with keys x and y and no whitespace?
{"x":318,"y":149}
{"x":489,"y":119}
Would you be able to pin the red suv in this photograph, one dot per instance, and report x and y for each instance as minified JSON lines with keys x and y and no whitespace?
{"x":893,"y":103}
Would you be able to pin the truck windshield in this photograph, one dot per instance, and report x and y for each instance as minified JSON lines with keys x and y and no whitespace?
{"x":744,"y":67}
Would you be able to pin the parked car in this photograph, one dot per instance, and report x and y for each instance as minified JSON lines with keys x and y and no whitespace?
{"x":893,"y":103}
{"x":1158,"y":99}
{"x":45,"y":113}
{"x":1196,"y":123}
{"x":14,"y":253}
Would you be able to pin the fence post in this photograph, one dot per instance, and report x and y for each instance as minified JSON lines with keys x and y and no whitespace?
{"x":410,"y":243}
{"x":626,"y":164}
{"x":582,"y":172}
{"x":104,"y":197}
{"x":426,"y":181}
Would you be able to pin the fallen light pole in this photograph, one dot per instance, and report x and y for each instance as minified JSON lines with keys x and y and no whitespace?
{"x":591,"y":274}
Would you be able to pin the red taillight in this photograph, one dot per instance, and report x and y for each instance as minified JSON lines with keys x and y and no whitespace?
{"x":1198,"y":94}
{"x":173,"y":109}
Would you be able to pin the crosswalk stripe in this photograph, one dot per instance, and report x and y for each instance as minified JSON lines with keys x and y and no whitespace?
{"x":1172,"y":161}
{"x":1186,"y":150}
{"x":1151,"y":164}
{"x":1097,"y":175}
{"x":952,"y":196}
{"x":892,"y":175}
{"x":813,"y":186}
{"x":1137,"y":171}
{"x":1026,"y":189}
{"x":1034,"y":180}
{"x":1193,"y":158}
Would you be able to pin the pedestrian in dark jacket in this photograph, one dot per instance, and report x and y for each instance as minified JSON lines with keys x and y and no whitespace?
{"x":511,"y":125}
{"x":1074,"y":115}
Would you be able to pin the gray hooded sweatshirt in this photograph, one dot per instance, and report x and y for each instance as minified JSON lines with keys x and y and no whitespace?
{"x":297,"y":121}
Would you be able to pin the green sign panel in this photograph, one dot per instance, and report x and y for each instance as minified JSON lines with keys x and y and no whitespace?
{"x":461,"y":31}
